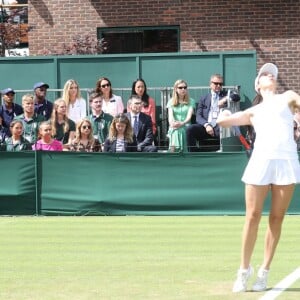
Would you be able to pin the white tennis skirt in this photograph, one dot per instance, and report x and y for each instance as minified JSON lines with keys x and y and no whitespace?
{"x":272,"y":171}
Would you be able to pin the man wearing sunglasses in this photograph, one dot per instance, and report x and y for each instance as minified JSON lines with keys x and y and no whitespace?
{"x":206,"y":131}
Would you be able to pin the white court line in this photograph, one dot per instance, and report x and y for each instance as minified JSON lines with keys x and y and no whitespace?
{"x":281,"y":286}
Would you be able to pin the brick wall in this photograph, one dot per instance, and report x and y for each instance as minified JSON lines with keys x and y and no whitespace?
{"x":271,"y":27}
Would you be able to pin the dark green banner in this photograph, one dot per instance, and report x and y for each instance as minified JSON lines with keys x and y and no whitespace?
{"x":124,"y":184}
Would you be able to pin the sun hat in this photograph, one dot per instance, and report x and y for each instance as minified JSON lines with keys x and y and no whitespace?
{"x":266,"y":68}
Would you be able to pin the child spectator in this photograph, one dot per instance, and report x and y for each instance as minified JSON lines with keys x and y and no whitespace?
{"x":121,"y":137}
{"x":45,"y":141}
{"x":16,"y":142}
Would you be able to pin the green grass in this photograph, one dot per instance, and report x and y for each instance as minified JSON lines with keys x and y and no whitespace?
{"x":133,"y":257}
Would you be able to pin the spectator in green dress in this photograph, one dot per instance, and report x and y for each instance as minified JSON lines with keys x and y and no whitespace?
{"x":180,"y":111}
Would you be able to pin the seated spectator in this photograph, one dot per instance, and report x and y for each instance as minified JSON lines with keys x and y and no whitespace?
{"x":84,"y":140}
{"x":100,"y":120}
{"x":139,"y":88}
{"x":121,"y":137}
{"x":16,"y":142}
{"x":42,"y":106}
{"x":141,"y":124}
{"x":63,"y":129}
{"x":76,"y":105}
{"x":29,"y":119}
{"x":206,"y":115}
{"x":8,"y":110}
{"x":180,"y":111}
{"x":45,"y":141}
{"x":112,"y":104}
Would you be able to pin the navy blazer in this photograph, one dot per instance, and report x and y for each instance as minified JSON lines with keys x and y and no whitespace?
{"x":145,"y":133}
{"x":204,"y":107}
{"x":110,"y":146}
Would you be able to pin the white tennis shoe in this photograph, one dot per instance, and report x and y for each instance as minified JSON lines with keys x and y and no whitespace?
{"x":243,"y":275}
{"x":261,"y":281}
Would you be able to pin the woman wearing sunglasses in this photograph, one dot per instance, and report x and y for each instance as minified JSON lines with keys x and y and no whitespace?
{"x":180,"y":111}
{"x":84,"y":140}
{"x":112,"y":104}
{"x":121,"y":137}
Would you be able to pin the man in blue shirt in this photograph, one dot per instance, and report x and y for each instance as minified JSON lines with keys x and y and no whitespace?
{"x":8,"y":110}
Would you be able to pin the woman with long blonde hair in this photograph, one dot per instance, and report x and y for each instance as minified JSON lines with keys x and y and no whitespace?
{"x":180,"y":111}
{"x":76,"y":105}
{"x":121,"y":137}
{"x":62,"y":128}
{"x":84,"y":140}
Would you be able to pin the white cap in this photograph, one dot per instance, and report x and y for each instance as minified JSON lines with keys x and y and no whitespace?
{"x":266,"y":68}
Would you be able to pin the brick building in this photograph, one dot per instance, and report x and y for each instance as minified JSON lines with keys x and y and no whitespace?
{"x":270,"y":27}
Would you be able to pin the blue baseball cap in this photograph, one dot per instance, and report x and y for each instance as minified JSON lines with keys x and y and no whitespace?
{"x":7,"y":91}
{"x":40,"y":84}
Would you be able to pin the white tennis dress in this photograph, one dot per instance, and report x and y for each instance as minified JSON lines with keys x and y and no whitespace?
{"x":275,"y":158}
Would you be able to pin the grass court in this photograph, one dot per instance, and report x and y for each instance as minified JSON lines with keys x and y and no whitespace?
{"x":132,"y":258}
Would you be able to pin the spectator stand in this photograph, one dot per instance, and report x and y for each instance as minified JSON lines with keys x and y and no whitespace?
{"x":161,"y":95}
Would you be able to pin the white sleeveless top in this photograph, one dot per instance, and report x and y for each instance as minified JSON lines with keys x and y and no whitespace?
{"x":273,"y":124}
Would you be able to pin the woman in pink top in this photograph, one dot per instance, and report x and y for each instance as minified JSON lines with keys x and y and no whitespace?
{"x":139,"y":88}
{"x":45,"y":141}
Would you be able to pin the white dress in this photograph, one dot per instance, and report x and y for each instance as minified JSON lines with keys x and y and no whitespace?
{"x":274,"y":159}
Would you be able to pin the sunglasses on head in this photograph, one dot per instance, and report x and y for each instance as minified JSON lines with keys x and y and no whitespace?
{"x":182,"y":87}
{"x":86,"y":127}
{"x":105,"y":85}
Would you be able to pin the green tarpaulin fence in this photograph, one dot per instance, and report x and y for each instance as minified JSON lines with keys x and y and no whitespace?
{"x":65,"y":183}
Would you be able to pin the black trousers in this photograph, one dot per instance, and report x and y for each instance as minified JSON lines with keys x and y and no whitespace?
{"x":197,"y":132}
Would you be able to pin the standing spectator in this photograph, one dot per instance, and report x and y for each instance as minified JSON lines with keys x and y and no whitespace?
{"x":121,"y":137}
{"x":180,"y":111}
{"x":45,"y":141}
{"x":139,"y":88}
{"x":8,"y":111}
{"x":76,"y":105}
{"x":84,"y":140}
{"x":16,"y":142}
{"x":63,"y":129}
{"x":29,"y":119}
{"x":42,"y":106}
{"x":112,"y":104}
{"x":141,"y":124}
{"x":101,"y":121}
{"x":206,"y":115}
